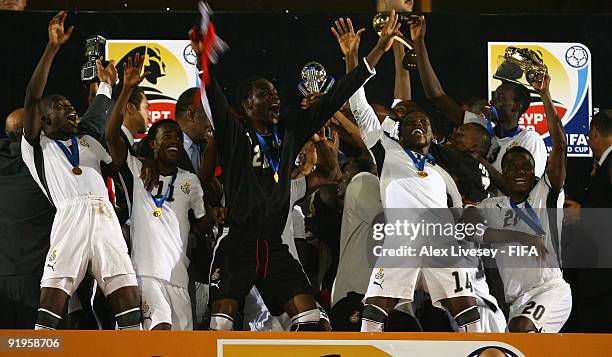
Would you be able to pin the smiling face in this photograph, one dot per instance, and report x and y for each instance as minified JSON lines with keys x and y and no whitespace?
{"x":415,"y":131}
{"x":519,"y":171}
{"x":59,"y":118}
{"x":263,"y":105}
{"x":167,"y":143}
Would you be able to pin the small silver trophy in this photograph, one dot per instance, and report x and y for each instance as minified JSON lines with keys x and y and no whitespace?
{"x":315,"y":79}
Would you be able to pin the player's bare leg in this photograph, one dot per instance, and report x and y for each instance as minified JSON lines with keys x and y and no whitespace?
{"x":53,"y":306}
{"x":222,"y":315}
{"x":464,"y":311}
{"x":376,"y":312}
{"x":125,"y":302}
{"x":521,"y":324}
{"x":304,"y":313}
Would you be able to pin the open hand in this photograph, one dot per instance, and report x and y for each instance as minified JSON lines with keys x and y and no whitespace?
{"x":57,"y":35}
{"x":391,"y":29}
{"x":107,"y":74}
{"x":131,"y":71}
{"x":346,"y":36}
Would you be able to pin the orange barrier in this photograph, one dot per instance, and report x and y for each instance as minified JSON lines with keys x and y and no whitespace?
{"x":345,"y":344}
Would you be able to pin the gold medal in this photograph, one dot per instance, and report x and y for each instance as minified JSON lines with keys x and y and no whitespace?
{"x":422,"y":174}
{"x":157,"y":212}
{"x":77,"y":170}
{"x":276,"y":177}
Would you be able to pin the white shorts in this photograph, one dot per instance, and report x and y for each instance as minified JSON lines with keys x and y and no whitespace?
{"x":86,"y":236}
{"x":548,"y":306}
{"x":163,"y":302}
{"x":492,"y":318}
{"x":400,"y":283}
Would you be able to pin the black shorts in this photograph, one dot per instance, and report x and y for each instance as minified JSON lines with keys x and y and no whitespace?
{"x":242,"y":260}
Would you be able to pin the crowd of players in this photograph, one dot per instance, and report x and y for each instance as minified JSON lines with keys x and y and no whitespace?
{"x":235,"y":217}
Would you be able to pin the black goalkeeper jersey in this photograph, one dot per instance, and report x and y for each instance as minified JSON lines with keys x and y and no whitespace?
{"x":471,"y":177}
{"x":257,"y":204}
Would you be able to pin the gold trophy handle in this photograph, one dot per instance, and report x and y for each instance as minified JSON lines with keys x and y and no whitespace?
{"x":403,"y":41}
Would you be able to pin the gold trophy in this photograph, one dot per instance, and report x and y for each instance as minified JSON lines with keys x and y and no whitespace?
{"x":521,"y":65}
{"x":380,"y":21}
{"x":314,"y":79}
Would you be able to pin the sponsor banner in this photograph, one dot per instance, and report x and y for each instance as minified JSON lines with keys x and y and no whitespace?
{"x":373,"y":348}
{"x":172,"y":67}
{"x":569,"y":66}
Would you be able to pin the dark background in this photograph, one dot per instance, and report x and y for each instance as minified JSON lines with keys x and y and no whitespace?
{"x":277,"y":45}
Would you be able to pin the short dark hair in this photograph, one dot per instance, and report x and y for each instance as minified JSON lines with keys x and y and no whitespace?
{"x":136,"y":96}
{"x":484,"y":139}
{"x":158,"y":124}
{"x":244,"y":91}
{"x":414,"y":109}
{"x":516,"y":150}
{"x":602,"y":121}
{"x":521,"y":95}
{"x":184,"y":101}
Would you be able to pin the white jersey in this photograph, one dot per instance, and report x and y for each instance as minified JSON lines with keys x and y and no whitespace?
{"x":528,"y":139}
{"x":53,"y":165}
{"x":361,"y":205}
{"x":400,"y":185}
{"x":533,"y":271}
{"x":159,"y":244}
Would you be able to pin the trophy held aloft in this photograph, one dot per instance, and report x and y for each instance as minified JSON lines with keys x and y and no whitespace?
{"x":521,"y":65}
{"x":379,"y":22}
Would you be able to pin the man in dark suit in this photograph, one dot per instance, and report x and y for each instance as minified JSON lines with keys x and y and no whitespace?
{"x":600,"y":139}
{"x":589,"y":244}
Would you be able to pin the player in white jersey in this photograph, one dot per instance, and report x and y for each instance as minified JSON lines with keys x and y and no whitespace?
{"x":509,"y":101}
{"x":159,"y":221}
{"x":540,"y":299}
{"x":86,"y":234}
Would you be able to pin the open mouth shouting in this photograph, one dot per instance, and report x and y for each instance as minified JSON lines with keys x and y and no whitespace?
{"x":73,"y":118}
{"x":275,"y":110}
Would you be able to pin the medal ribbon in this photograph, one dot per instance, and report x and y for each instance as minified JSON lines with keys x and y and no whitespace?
{"x":266,"y":149}
{"x":73,"y":157}
{"x":532,"y":220}
{"x":506,"y":133}
{"x":420,"y":164}
{"x":159,"y":202}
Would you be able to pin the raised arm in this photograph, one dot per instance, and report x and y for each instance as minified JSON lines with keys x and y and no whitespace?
{"x":215,"y":103}
{"x":329,"y":103}
{"x":401,"y":90}
{"x":557,"y":158}
{"x":352,"y":130}
{"x":131,"y":78}
{"x":429,"y":80}
{"x":31,"y":118}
